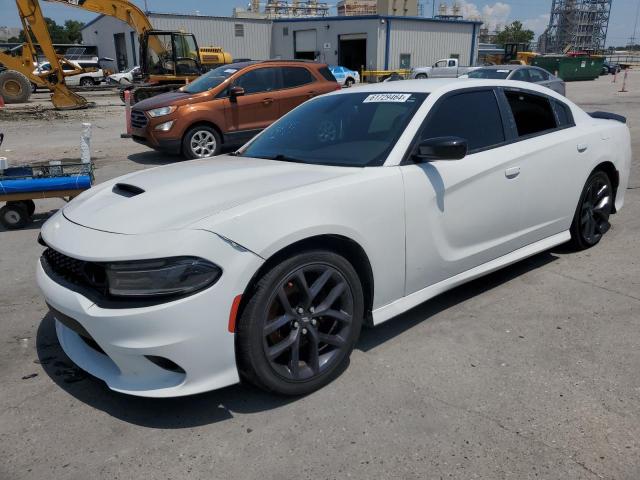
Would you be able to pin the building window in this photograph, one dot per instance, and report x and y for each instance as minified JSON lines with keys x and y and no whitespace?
{"x":455,"y":55}
{"x":285,"y":32}
{"x":239,"y":29}
{"x":405,"y":61}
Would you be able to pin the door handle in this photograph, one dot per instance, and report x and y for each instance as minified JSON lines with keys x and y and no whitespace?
{"x":582,"y":147}
{"x":267,"y":101}
{"x":512,"y":172}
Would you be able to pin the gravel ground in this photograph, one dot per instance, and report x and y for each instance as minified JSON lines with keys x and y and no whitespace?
{"x":529,"y":373}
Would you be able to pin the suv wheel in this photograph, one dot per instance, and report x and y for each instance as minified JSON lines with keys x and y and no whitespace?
{"x":300,"y":323}
{"x":201,"y":142}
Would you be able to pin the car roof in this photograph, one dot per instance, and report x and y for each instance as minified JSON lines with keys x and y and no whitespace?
{"x":503,"y":67}
{"x":443,"y":85}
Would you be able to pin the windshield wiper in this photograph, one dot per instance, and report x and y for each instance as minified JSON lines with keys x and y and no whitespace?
{"x":285,"y":158}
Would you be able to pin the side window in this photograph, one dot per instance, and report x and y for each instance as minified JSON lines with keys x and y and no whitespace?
{"x":538,"y":75}
{"x":452,"y":63}
{"x":563,"y":114}
{"x":532,"y":113}
{"x":295,"y":76}
{"x":521,"y":75}
{"x":66,"y":67}
{"x":442,"y":63}
{"x":259,"y":80}
{"x":326,"y":73}
{"x":459,"y":116}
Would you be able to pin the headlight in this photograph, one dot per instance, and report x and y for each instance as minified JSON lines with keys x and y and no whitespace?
{"x":165,"y":127}
{"x":159,"y":112}
{"x":161,"y":277}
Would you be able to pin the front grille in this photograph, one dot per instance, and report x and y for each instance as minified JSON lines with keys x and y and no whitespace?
{"x":138,"y":119}
{"x":77,"y":272}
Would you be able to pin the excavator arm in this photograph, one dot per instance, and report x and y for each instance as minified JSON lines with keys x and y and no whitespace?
{"x":34,"y":25}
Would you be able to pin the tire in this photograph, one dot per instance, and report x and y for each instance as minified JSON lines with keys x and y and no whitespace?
{"x":591,"y":219}
{"x":34,"y":88}
{"x":87,"y":82}
{"x":14,"y":87}
{"x":14,"y":216}
{"x":349,"y":82}
{"x":269,"y":333}
{"x":28,"y":204}
{"x":421,"y":76}
{"x":201,"y":141}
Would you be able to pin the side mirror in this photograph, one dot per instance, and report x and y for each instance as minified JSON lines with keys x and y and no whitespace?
{"x":440,"y":148}
{"x":235,"y":92}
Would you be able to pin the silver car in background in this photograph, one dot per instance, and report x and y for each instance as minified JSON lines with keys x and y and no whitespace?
{"x":524,"y":73}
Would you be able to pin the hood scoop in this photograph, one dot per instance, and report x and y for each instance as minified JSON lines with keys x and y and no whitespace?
{"x":126,"y":190}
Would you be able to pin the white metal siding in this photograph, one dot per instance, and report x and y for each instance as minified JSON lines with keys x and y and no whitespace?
{"x":305,"y":40}
{"x":220,"y":32}
{"x":428,"y":42}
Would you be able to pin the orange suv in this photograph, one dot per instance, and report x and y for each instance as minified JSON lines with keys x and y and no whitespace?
{"x":227,"y":105}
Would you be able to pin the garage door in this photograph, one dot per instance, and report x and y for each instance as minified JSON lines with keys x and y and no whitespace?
{"x":305,"y":41}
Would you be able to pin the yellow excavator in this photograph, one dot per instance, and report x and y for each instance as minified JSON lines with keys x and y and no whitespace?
{"x":169,"y":59}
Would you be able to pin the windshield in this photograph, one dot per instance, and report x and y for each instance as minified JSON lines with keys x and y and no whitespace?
{"x":210,"y":80}
{"x":490,"y":73}
{"x":350,"y":130}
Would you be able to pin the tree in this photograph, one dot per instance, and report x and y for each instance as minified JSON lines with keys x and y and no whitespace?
{"x":70,"y":32}
{"x":514,"y":33}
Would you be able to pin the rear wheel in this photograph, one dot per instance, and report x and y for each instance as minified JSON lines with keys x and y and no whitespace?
{"x":201,"y":141}
{"x":300,"y":324}
{"x":14,"y":215}
{"x":349,"y":82}
{"x":14,"y":87}
{"x":421,"y":76}
{"x":591,"y":220}
{"x":87,"y":82}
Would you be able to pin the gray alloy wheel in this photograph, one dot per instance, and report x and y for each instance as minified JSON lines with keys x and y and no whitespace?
{"x":87,"y":82}
{"x":591,"y":220}
{"x":201,"y":142}
{"x":300,"y":322}
{"x":308,"y":322}
{"x":421,"y":76}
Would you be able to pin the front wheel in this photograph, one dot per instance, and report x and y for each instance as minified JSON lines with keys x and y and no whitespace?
{"x":421,"y":76}
{"x":349,"y":82}
{"x":591,"y":220}
{"x":87,"y":82}
{"x":300,"y":323}
{"x":201,"y":142}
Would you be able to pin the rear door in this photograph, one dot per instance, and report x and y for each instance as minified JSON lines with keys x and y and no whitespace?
{"x":259,"y":106}
{"x":552,"y":154}
{"x":298,"y":86}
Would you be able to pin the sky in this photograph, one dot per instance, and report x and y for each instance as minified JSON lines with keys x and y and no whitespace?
{"x":533,"y":13}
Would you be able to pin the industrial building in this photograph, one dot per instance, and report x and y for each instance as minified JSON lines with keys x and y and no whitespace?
{"x":375,"y":42}
{"x":371,"y":42}
{"x":576,"y":25}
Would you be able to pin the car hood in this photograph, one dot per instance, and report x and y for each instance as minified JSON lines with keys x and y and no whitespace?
{"x":178,"y":195}
{"x":164,"y":99}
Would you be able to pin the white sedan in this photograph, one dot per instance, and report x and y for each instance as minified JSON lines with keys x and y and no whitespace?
{"x":351,"y":209}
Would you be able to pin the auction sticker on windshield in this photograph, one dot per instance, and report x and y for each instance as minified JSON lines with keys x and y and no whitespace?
{"x":387,"y":97}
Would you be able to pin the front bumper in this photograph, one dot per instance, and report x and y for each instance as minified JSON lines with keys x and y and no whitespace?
{"x":191,"y":332}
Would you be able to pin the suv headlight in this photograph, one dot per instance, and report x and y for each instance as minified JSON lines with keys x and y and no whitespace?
{"x":161,"y":277}
{"x":162,"y":111}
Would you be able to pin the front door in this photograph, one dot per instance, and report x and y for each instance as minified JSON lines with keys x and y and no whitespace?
{"x":462,"y":213}
{"x":259,"y":107}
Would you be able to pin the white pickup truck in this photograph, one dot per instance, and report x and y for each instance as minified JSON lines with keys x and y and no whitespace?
{"x":444,"y":68}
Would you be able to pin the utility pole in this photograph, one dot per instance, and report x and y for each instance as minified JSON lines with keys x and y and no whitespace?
{"x":632,"y":40}
{"x":433,"y":9}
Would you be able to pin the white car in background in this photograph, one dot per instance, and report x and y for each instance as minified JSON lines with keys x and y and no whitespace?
{"x":344,"y":76}
{"x":85,"y":79}
{"x":354,"y":207}
{"x":124,"y":77}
